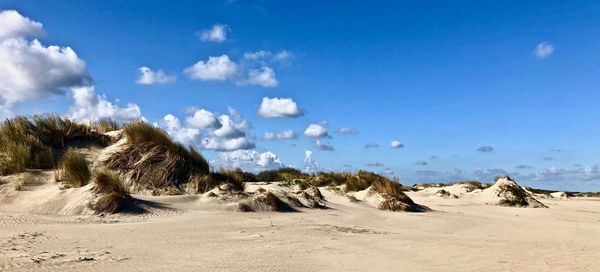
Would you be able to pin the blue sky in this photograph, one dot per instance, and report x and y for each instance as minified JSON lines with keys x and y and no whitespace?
{"x":443,"y":78}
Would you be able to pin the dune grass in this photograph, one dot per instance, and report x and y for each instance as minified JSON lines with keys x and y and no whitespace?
{"x":112,"y":194}
{"x":281,"y":174}
{"x":154,"y":161}
{"x":73,"y":169}
{"x":235,"y":180}
{"x":105,"y":125}
{"x":33,"y":142}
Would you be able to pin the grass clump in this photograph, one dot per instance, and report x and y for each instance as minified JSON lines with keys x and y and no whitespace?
{"x":153,"y":161}
{"x":73,"y":169}
{"x":34,"y":142}
{"x":112,"y":195}
{"x":281,"y":174}
{"x":270,"y":202}
{"x":105,"y":125}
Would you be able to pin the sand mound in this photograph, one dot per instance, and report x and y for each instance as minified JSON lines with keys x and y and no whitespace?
{"x":563,"y":195}
{"x":506,"y":192}
{"x":388,"y":197}
{"x":445,"y":194}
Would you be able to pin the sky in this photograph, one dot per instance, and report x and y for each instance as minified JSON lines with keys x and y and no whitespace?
{"x":427,"y":91}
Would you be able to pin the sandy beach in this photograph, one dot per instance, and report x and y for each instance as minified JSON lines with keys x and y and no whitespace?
{"x":459,"y":235}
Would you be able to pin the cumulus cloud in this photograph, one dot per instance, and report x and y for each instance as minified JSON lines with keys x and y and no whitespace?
{"x":30,"y":70}
{"x":15,"y":25}
{"x":374,"y":164}
{"x":149,"y":77}
{"x":278,"y":107}
{"x":543,"y":50}
{"x":371,"y":145}
{"x":422,"y":163}
{"x":226,"y":132}
{"x":217,"y":33}
{"x":264,"y":76}
{"x":203,"y":119}
{"x":348,"y":131}
{"x":485,"y":149}
{"x":396,"y":144}
{"x":250,"y":160}
{"x":282,"y":135}
{"x":316,"y":131}
{"x":185,"y":135}
{"x":89,"y":106}
{"x":219,"y":68}
{"x":323,"y":146}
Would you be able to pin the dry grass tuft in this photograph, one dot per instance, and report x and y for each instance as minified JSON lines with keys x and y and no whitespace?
{"x":153,"y":161}
{"x":73,"y":169}
{"x":394,"y":197}
{"x":270,"y":202}
{"x":243,"y":207}
{"x":113,"y":195}
{"x":33,"y":142}
{"x":105,"y":125}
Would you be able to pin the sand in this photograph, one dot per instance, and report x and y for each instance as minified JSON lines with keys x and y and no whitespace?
{"x":190,"y":234}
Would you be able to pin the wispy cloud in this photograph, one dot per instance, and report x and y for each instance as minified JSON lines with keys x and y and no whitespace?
{"x":543,"y":50}
{"x":371,"y":145}
{"x":348,"y":131}
{"x":217,"y":33}
{"x":485,"y":149}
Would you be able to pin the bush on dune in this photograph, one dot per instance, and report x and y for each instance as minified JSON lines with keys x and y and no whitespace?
{"x":112,"y":195}
{"x":154,"y":161}
{"x":73,"y":169}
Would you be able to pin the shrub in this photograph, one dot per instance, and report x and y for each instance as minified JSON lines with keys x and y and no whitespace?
{"x":112,"y":195}
{"x":73,"y":169}
{"x":153,"y":160}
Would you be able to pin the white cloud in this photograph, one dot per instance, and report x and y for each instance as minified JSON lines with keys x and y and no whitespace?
{"x":30,"y":70}
{"x":282,"y":135}
{"x":218,"y":33}
{"x":89,"y":106}
{"x":184,"y":135}
{"x":265,"y":56}
{"x":316,"y":131}
{"x":278,"y":107}
{"x":14,"y":25}
{"x":227,"y":132}
{"x":203,"y":119}
{"x":220,"y":144}
{"x":149,"y":77}
{"x":543,"y":50}
{"x":215,"y":68}
{"x":264,"y":77}
{"x":396,"y":144}
{"x":323,"y":146}
{"x":348,"y":131}
{"x":250,"y":160}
